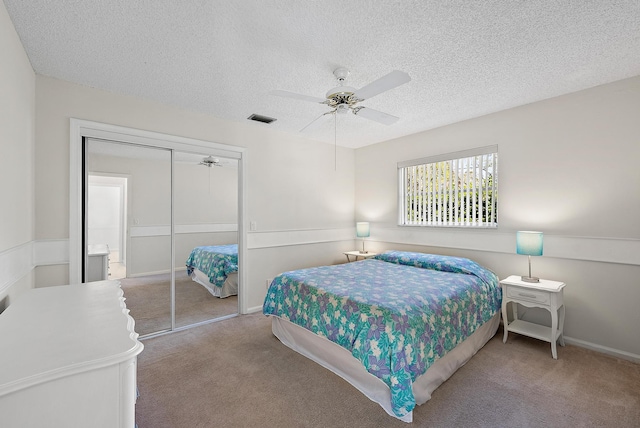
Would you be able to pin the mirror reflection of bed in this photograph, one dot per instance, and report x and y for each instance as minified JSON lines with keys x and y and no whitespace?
{"x":203,"y":208}
{"x":215,"y":267}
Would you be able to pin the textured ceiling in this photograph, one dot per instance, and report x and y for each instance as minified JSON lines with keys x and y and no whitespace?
{"x":465,"y":58}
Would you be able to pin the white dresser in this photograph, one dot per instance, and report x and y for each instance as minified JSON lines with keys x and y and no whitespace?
{"x":98,"y":262}
{"x":68,"y":358}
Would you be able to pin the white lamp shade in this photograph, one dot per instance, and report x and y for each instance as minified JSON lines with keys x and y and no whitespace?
{"x":529,"y":243}
{"x":362,"y":229}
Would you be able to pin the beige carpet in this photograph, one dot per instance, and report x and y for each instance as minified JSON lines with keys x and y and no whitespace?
{"x":235,"y":373}
{"x":149,"y":302}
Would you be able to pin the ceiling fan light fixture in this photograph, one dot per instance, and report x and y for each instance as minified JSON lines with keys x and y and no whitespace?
{"x":342,"y":108}
{"x":344,"y":91}
{"x":210,"y":161}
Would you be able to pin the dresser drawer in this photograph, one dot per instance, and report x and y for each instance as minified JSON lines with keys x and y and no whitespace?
{"x":528,"y":295}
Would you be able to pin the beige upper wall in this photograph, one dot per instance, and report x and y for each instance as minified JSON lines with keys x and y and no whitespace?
{"x":17,"y":122}
{"x":567,"y":165}
{"x":292,"y":183}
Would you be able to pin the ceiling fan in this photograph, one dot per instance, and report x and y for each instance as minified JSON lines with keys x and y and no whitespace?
{"x":210,"y":161}
{"x":343,"y":99}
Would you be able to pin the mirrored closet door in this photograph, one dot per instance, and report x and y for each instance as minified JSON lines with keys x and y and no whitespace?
{"x":163,"y":223}
{"x":206,"y":237}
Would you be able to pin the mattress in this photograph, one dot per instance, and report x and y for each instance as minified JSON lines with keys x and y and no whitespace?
{"x":229,"y":286}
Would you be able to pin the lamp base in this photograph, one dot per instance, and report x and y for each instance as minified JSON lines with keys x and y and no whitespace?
{"x":363,"y":252}
{"x":530,"y":279}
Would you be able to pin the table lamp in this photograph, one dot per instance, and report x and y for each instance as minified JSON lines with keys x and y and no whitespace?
{"x":529,"y":244}
{"x":362,"y":231}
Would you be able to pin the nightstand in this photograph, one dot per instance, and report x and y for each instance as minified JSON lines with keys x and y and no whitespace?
{"x":545,"y":294}
{"x":357,"y":254}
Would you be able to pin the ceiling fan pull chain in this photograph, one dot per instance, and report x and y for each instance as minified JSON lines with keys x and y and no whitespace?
{"x":335,"y":142}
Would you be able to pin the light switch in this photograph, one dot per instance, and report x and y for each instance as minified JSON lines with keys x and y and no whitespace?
{"x":253,"y":226}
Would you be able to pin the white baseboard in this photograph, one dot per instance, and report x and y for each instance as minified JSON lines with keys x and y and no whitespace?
{"x":598,"y":348}
{"x":159,"y":272}
{"x":603,"y":349}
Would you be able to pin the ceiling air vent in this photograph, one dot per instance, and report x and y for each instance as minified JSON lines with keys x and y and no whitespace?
{"x":260,"y":118}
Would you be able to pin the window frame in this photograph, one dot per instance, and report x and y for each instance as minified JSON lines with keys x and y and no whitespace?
{"x":426,"y":219}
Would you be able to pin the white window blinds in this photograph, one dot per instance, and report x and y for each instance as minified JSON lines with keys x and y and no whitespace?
{"x":456,"y":189}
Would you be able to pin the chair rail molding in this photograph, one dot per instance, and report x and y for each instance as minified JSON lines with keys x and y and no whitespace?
{"x":595,"y":249}
{"x":15,"y":263}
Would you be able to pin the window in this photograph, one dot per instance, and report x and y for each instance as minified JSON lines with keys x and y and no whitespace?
{"x":456,"y":189}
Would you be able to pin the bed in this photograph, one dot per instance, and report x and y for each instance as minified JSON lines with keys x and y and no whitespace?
{"x":395,"y":326}
{"x":215,"y":267}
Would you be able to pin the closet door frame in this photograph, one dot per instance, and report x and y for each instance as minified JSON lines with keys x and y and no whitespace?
{"x":83,"y":128}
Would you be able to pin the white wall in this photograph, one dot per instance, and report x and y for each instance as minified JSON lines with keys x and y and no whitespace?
{"x":103,"y":211}
{"x":17,"y":124}
{"x":568,"y":166}
{"x":293,"y":193}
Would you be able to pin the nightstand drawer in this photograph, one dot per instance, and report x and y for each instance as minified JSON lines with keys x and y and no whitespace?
{"x":528,"y":295}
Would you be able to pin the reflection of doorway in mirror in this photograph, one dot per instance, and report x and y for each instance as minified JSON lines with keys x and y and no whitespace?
{"x":107,"y":214}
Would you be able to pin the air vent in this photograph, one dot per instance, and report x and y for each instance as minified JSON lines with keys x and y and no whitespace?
{"x":260,"y":118}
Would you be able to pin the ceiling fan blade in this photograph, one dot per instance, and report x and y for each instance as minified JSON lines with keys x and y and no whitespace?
{"x":316,"y":122}
{"x":389,"y":81}
{"x":287,"y":94}
{"x":376,"y":116}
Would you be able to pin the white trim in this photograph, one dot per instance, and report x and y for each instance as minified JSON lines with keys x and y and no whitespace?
{"x":157,"y":272}
{"x":603,"y":349}
{"x":281,"y":238}
{"x":243,"y":298}
{"x":172,"y":233}
{"x":595,"y":249}
{"x":254,"y":309}
{"x":610,"y":250}
{"x":479,"y":151}
{"x":83,"y":128}
{"x":15,"y":264}
{"x":606,"y":250}
{"x":108,"y":132}
{"x":165,"y":230}
{"x":206,"y":228}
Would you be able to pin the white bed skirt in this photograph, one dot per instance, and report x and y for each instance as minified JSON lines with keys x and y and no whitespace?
{"x":340,"y":361}
{"x":229,"y":288}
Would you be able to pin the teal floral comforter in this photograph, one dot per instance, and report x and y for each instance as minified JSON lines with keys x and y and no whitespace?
{"x":396,"y":313}
{"x":216,"y":261}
